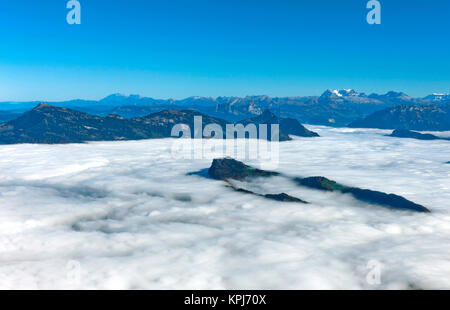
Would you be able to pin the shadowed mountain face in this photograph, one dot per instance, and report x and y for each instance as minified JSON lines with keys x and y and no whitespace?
{"x":165,"y":121}
{"x":401,"y":133}
{"x":49,"y":124}
{"x":432,"y":118}
{"x":366,"y":195}
{"x":227,"y":168}
{"x":287,"y":126}
{"x":284,"y":198}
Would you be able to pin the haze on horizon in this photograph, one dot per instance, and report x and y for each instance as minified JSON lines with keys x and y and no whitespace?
{"x":174,"y":49}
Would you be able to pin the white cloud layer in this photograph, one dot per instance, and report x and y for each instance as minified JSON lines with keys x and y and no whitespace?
{"x":124,"y":215}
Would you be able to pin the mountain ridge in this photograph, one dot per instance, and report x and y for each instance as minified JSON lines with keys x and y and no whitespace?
{"x":408,"y":117}
{"x":228,"y":168}
{"x":53,"y":125}
{"x":336,"y":108}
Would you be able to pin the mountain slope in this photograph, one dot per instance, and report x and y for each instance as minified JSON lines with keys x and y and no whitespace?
{"x":7,"y":116}
{"x":49,"y":124}
{"x":287,"y":126}
{"x":165,"y":120}
{"x":409,"y":117}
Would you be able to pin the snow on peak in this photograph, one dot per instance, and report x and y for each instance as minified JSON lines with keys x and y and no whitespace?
{"x":334,"y":93}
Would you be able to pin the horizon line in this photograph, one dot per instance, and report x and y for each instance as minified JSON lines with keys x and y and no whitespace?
{"x":213,"y":97}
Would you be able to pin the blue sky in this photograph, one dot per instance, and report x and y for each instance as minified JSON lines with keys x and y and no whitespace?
{"x":172,"y":48}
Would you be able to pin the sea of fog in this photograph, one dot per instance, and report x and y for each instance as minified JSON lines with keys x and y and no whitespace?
{"x":127,"y":215}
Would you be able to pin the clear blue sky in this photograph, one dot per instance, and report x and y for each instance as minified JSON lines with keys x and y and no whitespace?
{"x":171,"y":48}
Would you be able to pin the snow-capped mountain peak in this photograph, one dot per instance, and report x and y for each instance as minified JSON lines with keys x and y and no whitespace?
{"x":334,"y":93}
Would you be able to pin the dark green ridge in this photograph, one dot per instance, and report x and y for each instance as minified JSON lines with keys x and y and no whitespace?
{"x":47,"y":124}
{"x":228,"y":168}
{"x":374,"y":197}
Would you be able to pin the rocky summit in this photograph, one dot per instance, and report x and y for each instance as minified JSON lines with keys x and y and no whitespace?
{"x":228,"y":168}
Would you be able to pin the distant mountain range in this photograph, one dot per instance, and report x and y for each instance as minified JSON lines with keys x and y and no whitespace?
{"x":51,"y":125}
{"x":332,"y":108}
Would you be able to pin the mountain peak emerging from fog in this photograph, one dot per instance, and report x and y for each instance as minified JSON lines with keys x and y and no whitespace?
{"x":229,"y":168}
